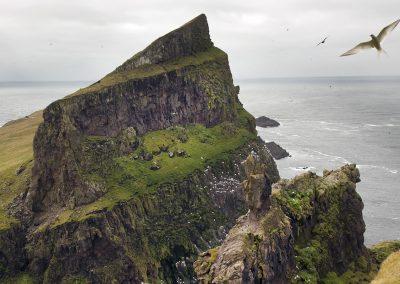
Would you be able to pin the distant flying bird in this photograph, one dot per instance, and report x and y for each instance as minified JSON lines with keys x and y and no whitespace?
{"x":375,"y":42}
{"x":323,"y":41}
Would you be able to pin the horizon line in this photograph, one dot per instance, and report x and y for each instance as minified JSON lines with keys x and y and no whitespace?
{"x":239,"y":79}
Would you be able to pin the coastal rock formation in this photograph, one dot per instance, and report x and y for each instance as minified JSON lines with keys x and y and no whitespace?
{"x":106,"y":201}
{"x":276,"y":151}
{"x":179,"y":79}
{"x":265,"y":122}
{"x":131,"y":178}
{"x":310,"y":226}
{"x":250,"y":253}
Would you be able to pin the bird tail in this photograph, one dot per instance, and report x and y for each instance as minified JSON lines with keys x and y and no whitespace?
{"x":380,"y":51}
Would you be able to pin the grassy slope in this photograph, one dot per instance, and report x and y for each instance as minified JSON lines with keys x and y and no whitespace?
{"x":133,"y":177}
{"x":16,"y":137}
{"x":15,"y":150}
{"x":360,"y":272}
{"x":390,"y":270}
{"x":144,"y":71}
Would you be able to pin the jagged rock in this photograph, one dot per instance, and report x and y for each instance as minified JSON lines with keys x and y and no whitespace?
{"x":187,"y":213}
{"x":164,"y":148}
{"x":181,"y":153}
{"x":147,"y":156}
{"x":97,"y":216}
{"x":181,"y":73}
{"x":155,"y":167}
{"x":257,"y":186}
{"x":128,"y":140}
{"x":250,"y":252}
{"x":313,"y":225}
{"x":80,"y":232}
{"x":276,"y":150}
{"x":265,"y":122}
{"x":189,"y":39}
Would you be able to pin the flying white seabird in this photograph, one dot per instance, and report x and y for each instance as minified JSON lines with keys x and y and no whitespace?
{"x":375,"y":42}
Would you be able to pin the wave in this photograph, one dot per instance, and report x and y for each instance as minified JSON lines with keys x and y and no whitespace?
{"x":382,"y":125}
{"x":392,"y":171}
{"x":333,"y":157}
{"x":302,"y":169}
{"x":345,"y":131}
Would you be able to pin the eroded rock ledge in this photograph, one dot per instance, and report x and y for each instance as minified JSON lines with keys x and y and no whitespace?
{"x":179,"y":79}
{"x":107,"y":201}
{"x":306,"y":228}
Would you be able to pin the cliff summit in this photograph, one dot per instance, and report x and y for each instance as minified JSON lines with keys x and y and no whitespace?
{"x":155,"y":174}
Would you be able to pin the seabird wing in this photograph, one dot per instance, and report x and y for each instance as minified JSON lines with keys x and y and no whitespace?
{"x":323,"y":41}
{"x":386,"y":30}
{"x":359,"y":47}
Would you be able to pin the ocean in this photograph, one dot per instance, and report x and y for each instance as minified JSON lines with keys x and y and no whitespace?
{"x":325,"y":123}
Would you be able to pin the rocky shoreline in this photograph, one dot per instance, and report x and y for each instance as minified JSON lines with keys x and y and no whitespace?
{"x":265,"y":122}
{"x":276,"y":151}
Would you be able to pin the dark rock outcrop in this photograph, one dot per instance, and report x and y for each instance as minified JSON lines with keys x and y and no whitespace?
{"x":198,"y":89}
{"x":145,"y":238}
{"x":187,"y":40}
{"x":265,"y":122}
{"x":312,"y":225}
{"x":138,"y":173}
{"x":251,"y":252}
{"x":97,"y":209}
{"x":276,"y":150}
{"x":12,"y":250}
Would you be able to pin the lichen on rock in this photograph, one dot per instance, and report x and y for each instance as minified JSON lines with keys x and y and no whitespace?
{"x":310,"y":226}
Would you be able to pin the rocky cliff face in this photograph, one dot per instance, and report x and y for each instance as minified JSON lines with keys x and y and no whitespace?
{"x":251,"y":252}
{"x":179,"y":79}
{"x":308,"y":227}
{"x":136,"y":174}
{"x":188,"y":40}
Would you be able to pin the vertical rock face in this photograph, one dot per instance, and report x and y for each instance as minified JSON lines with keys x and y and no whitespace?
{"x":179,"y":79}
{"x":102,"y":211}
{"x":251,"y":252}
{"x":257,"y":186}
{"x":309,"y":226}
{"x":191,"y":38}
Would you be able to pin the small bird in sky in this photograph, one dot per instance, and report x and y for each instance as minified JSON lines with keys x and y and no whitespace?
{"x":323,"y":41}
{"x":375,"y":42}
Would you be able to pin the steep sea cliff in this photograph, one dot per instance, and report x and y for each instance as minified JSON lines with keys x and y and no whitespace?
{"x":139,"y":178}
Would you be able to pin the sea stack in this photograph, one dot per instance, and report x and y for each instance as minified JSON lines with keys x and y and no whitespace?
{"x":265,"y":122}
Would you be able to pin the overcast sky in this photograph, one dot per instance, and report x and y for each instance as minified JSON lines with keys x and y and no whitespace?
{"x":84,"y":40}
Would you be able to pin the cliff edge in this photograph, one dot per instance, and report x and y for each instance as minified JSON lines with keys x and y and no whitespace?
{"x":137,"y":176}
{"x":180,"y":79}
{"x":134,"y":175}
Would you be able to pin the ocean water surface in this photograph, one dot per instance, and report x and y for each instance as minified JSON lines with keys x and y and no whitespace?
{"x":18,"y":99}
{"x":328,"y":122}
{"x":325,"y":123}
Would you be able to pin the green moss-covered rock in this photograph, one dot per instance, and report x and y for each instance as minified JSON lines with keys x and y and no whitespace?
{"x":96,"y":208}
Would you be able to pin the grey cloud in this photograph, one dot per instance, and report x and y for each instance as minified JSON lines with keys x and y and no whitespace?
{"x":84,"y":40}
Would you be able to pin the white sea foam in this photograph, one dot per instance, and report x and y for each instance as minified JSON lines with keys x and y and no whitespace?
{"x":333,"y":158}
{"x":382,"y":125}
{"x":302,"y":169}
{"x":392,"y":171}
